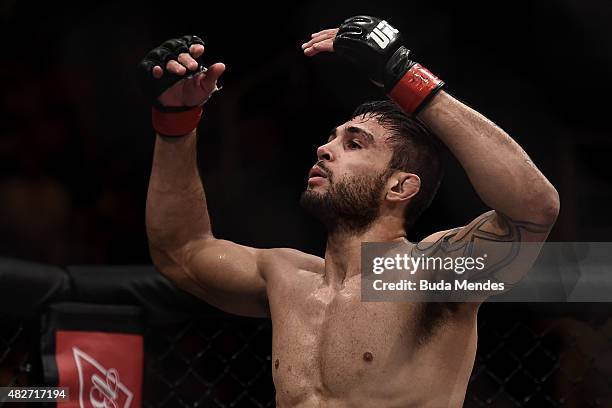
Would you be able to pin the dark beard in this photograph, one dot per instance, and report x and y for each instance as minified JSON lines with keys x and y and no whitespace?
{"x":350,"y":205}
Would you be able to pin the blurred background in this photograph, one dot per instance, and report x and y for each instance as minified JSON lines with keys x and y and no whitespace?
{"x":76,"y":141}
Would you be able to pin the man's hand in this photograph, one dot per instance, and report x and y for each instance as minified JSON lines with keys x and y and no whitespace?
{"x":173,"y":75}
{"x":375,"y":47}
{"x":323,"y":41}
{"x":178,"y":84}
{"x":368,"y":42}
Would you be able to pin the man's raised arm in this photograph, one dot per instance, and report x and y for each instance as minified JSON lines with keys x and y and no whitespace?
{"x":182,"y":246}
{"x":525,"y":205}
{"x":501,"y":172}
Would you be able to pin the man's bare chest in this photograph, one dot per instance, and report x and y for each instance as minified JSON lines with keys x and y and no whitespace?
{"x":322,"y":334}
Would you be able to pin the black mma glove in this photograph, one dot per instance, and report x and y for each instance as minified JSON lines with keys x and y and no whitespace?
{"x":169,"y":121}
{"x":375,"y":47}
{"x":169,"y":50}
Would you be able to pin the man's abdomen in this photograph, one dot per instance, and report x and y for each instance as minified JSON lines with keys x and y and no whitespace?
{"x":330,"y":349}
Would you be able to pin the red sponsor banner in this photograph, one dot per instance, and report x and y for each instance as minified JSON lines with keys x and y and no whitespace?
{"x":101,"y":370}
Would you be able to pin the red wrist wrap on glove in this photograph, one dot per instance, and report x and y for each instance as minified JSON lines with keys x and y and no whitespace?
{"x":415,"y":88}
{"x":176,"y":123}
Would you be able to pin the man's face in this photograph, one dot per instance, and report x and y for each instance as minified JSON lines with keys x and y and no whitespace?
{"x":347,"y":184}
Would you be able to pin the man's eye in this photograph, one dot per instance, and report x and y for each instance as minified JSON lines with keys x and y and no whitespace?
{"x":353,"y":145}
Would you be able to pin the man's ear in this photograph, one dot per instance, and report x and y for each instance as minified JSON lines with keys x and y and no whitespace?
{"x":402,"y":186}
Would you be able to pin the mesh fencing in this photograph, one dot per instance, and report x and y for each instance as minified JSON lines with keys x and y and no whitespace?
{"x":522,"y":361}
{"x":542,"y":362}
{"x":209,"y":363}
{"x":20,"y":364}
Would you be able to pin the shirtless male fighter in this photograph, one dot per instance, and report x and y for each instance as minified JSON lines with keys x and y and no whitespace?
{"x":374,"y":175}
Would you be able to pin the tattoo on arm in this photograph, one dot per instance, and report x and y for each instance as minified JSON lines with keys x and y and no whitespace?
{"x":471,"y":240}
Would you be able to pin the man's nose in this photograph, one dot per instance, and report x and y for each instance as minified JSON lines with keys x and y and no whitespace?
{"x":324,"y":153}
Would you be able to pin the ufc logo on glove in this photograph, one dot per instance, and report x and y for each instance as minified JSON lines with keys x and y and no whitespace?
{"x":382,"y":34}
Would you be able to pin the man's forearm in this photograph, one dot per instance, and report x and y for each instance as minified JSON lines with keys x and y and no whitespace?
{"x":500,"y":171}
{"x":176,"y":205}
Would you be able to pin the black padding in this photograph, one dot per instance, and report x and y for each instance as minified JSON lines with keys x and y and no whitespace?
{"x":26,"y":288}
{"x":160,"y":299}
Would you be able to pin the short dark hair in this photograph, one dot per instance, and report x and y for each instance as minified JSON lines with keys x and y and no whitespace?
{"x":415,"y":150}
